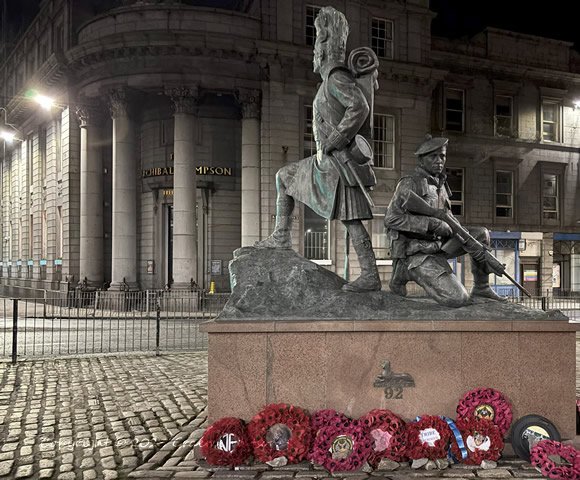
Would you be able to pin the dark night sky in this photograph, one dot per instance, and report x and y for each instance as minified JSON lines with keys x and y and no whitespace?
{"x":558,"y":19}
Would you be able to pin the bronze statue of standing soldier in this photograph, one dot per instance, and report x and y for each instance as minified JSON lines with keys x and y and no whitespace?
{"x":334,"y":182}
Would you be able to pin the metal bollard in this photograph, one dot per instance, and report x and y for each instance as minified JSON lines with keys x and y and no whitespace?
{"x":14,"y":330}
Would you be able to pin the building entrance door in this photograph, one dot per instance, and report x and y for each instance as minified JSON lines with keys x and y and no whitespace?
{"x":168,"y":222}
{"x":530,"y":275}
{"x":202,"y":247}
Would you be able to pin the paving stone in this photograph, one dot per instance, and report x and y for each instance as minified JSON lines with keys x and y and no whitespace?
{"x":146,"y":474}
{"x":130,"y":462}
{"x":110,"y":474}
{"x":526,"y":474}
{"x":24,"y":471}
{"x":192,"y":475}
{"x":5,"y":467}
{"x":89,"y":475}
{"x":67,"y":476}
{"x":9,"y":447}
{"x":495,"y":473}
{"x":108,"y":463}
{"x":25,"y":460}
{"x":45,"y":473}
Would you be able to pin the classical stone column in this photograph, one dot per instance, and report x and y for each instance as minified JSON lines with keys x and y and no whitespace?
{"x":91,"y":270}
{"x":184,"y":188}
{"x":250,"y":102}
{"x":124,"y":208}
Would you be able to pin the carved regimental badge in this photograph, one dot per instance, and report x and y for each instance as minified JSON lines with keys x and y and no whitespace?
{"x":393,"y":383}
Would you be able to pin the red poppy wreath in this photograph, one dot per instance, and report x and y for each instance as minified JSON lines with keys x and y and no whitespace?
{"x":280,"y":430}
{"x":341,"y":447}
{"x":428,"y":437}
{"x":226,"y":442}
{"x":556,"y":460}
{"x":488,"y":404}
{"x":326,"y":418}
{"x":482,"y":440}
{"x":389,"y":435}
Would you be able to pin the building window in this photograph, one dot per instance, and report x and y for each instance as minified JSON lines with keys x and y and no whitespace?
{"x":58,"y":143}
{"x":454,"y":109}
{"x":316,"y":244}
{"x":310,"y":33}
{"x":31,"y":237}
{"x":29,"y":163}
{"x":504,"y":115}
{"x":44,"y":235}
{"x":59,"y":232}
{"x":550,"y":197}
{"x":42,"y":152}
{"x":550,"y":121}
{"x":455,"y":180}
{"x":382,"y":37}
{"x":308,"y":140}
{"x":384,"y":141}
{"x":504,"y":194}
{"x":379,"y":238}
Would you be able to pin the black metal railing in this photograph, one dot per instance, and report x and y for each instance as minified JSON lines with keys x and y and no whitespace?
{"x":84,"y":322}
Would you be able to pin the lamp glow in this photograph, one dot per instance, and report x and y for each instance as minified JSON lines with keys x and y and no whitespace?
{"x":576,"y":104}
{"x":44,"y":101}
{"x":8,"y":137}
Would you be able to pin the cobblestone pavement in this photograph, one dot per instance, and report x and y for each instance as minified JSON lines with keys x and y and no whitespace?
{"x":96,"y":417}
{"x":118,"y":417}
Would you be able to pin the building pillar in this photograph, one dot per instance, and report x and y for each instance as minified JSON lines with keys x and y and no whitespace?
{"x":250,"y":102}
{"x":185,"y":261}
{"x":91,"y":269}
{"x":124,"y":208}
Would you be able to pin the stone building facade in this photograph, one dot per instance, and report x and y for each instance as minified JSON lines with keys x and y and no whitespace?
{"x":171,"y":119}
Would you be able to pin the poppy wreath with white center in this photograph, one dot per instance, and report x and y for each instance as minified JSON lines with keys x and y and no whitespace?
{"x":417,"y":448}
{"x":472,"y":427}
{"x":226,"y":442}
{"x":294,"y":418}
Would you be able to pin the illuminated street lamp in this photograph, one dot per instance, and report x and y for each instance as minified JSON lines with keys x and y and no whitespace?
{"x":45,"y":102}
{"x":7,"y":136}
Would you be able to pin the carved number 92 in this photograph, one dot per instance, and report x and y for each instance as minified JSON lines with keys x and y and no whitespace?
{"x":394,"y":393}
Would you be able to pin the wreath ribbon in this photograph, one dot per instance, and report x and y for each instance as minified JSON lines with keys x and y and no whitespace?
{"x":458,"y":439}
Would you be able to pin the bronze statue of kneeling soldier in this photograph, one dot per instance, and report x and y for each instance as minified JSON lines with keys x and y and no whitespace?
{"x":423,"y":234}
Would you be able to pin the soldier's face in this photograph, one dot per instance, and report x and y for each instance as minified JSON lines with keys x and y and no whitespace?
{"x":434,"y":162}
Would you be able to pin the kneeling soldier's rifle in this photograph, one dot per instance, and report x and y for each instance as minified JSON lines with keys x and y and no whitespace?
{"x":414,"y":203}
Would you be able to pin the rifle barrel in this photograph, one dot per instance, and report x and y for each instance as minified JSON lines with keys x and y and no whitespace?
{"x":517,"y":284}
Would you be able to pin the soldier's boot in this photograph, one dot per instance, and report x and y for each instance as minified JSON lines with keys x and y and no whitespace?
{"x":399,"y":278}
{"x":481,"y":286}
{"x":369,"y":280}
{"x":280,"y":237}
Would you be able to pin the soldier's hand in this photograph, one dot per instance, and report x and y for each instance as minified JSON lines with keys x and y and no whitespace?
{"x":439,"y":228}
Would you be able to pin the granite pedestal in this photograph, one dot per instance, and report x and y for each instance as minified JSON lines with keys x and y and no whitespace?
{"x":333,"y":364}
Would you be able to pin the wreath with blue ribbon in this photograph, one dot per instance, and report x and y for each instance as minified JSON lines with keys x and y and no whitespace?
{"x":478,"y":440}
